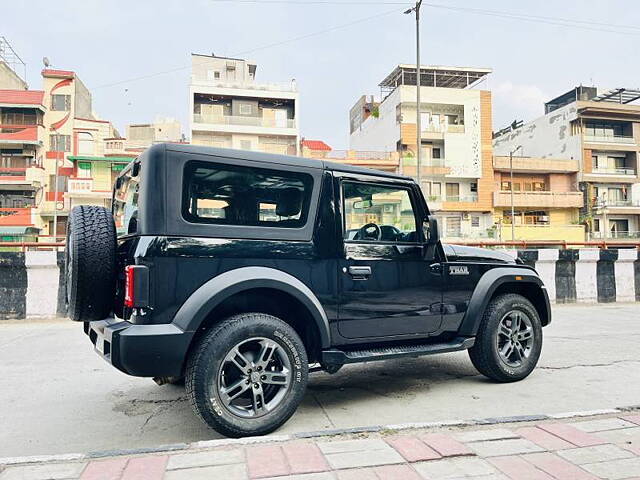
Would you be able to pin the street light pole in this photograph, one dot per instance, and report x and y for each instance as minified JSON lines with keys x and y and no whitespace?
{"x":416,"y":9}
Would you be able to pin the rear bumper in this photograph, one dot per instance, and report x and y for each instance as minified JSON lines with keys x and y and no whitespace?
{"x":140,"y":350}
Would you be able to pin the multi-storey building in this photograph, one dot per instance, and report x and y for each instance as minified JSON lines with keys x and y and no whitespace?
{"x":230,"y":109}
{"x":456,"y":172}
{"x":600,"y":130}
{"x":22,"y":176}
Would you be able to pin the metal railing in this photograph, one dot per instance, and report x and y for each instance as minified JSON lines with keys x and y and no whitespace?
{"x":244,"y":121}
{"x":614,"y":171}
{"x":627,"y":140}
{"x":274,"y":86}
{"x":615,"y":235}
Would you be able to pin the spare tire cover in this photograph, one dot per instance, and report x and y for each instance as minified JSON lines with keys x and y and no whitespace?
{"x":90,"y":263}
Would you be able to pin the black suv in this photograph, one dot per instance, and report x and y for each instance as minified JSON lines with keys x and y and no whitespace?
{"x":241,"y":272}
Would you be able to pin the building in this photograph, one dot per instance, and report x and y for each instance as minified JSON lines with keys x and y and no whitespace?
{"x":457,"y":171}
{"x":22,"y":176}
{"x":230,"y":109}
{"x":385,"y":161}
{"x":600,"y":131}
{"x":143,"y":135}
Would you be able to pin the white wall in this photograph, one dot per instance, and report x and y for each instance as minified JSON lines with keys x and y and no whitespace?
{"x":547,"y":136}
{"x":379,"y":134}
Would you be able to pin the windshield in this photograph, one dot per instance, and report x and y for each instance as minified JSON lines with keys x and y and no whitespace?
{"x":125,"y":200}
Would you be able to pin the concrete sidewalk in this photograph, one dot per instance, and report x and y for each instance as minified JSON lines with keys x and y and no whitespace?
{"x":603,"y":446}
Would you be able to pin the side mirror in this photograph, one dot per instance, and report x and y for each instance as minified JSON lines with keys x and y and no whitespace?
{"x":431,"y":232}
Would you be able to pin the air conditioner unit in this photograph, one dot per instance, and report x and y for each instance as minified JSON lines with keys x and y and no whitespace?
{"x":544,"y":218}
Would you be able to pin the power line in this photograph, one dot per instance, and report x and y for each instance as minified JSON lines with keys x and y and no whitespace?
{"x":557,"y":21}
{"x":528,"y":17}
{"x":263,"y":47}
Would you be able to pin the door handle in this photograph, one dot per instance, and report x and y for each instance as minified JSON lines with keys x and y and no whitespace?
{"x":359,"y":272}
{"x":436,"y":268}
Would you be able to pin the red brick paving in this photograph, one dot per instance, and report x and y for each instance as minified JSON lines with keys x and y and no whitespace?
{"x":558,"y":467}
{"x":412,"y":448}
{"x":304,"y":457}
{"x":544,"y":439}
{"x":266,"y":461}
{"x":104,"y":469}
{"x":145,"y":468}
{"x":517,"y":467}
{"x":445,"y":445}
{"x":572,"y":434}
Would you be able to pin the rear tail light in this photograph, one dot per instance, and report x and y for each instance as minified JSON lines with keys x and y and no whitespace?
{"x":128,"y":286}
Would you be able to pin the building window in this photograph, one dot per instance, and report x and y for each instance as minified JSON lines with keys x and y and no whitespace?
{"x":84,"y":169}
{"x":526,"y":217}
{"x":475,"y":221}
{"x":436,"y":190}
{"x":60,"y":103}
{"x":436,"y":152}
{"x":244,"y":109}
{"x":473,"y":187}
{"x":596,"y":224}
{"x":453,"y":192}
{"x":60,"y":143}
{"x":505,"y":186}
{"x":85,"y":143}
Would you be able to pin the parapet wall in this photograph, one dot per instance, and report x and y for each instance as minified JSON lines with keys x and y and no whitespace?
{"x":32,"y":284}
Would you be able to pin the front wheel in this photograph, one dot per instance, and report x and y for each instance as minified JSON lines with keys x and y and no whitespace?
{"x":247,"y":375}
{"x":509,"y":339}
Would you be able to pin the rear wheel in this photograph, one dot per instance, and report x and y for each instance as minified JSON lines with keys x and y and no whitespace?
{"x":90,"y":256}
{"x":247,"y":375}
{"x":509,"y":339}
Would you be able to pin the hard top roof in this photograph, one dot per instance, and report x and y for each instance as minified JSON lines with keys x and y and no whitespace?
{"x":302,"y":162}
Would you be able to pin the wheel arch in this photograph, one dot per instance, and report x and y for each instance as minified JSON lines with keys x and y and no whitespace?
{"x":257,"y":289}
{"x":501,"y":280}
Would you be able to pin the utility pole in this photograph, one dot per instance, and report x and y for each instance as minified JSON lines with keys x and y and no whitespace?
{"x":416,"y":9}
{"x":513,"y":212}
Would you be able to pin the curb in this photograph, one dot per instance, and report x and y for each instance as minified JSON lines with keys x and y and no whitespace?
{"x":206,"y":444}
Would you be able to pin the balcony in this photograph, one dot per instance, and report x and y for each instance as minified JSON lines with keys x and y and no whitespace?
{"x":615,"y":235}
{"x":614,"y":171}
{"x":80,"y":186}
{"x":534,"y":164}
{"x":621,"y":206}
{"x":471,"y":198}
{"x":263,"y":87}
{"x":21,"y":134}
{"x":15,"y":217}
{"x":610,"y":139}
{"x":237,"y":120}
{"x":538,"y":199}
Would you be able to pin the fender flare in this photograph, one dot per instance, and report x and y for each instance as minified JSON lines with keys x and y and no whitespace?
{"x":208,"y":296}
{"x":488,"y":284}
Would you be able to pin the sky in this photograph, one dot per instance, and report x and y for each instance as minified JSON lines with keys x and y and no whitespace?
{"x":134,"y":55}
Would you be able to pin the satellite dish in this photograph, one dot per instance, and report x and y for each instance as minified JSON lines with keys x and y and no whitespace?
{"x":46,"y":62}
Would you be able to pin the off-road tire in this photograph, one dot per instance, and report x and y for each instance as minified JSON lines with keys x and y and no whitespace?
{"x":90,"y":263}
{"x":484,"y":353}
{"x":206,"y":360}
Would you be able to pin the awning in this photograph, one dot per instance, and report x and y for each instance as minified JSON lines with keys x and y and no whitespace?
{"x":89,"y":158}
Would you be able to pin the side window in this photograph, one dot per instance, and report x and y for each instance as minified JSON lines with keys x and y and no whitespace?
{"x":234,"y":195}
{"x":378,"y":213}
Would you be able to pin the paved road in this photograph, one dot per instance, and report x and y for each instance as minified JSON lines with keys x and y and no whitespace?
{"x":57,"y":396}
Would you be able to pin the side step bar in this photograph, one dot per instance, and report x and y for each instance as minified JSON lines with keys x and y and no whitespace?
{"x":341,"y":357}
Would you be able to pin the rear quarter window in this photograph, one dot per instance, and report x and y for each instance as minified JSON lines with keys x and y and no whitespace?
{"x":236,"y":195}
{"x":125,"y":201}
